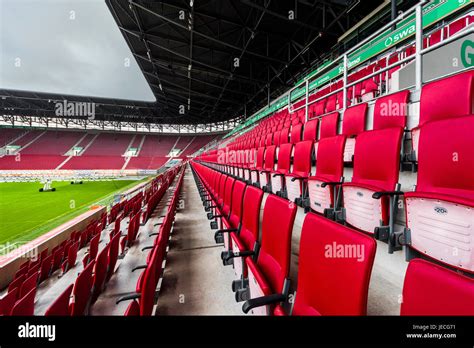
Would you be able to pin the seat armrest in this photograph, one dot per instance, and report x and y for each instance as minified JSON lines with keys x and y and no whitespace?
{"x":324,"y":184}
{"x":277,"y":174}
{"x":378,"y":195}
{"x":297,"y":178}
{"x":262,"y":301}
{"x":129,"y":297}
{"x":243,"y":253}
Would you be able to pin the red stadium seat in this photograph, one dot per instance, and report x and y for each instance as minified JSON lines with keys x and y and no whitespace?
{"x":28,"y":284}
{"x":430,"y":289}
{"x":82,"y":291}
{"x":60,"y":307}
{"x":332,"y":256}
{"x":268,"y":282}
{"x":283,"y":167}
{"x":71,"y":257}
{"x":244,"y":240}
{"x":311,"y":130}
{"x":374,"y":188}
{"x":46,"y":266}
{"x":25,"y":306}
{"x":8,"y":301}
{"x":268,"y":167}
{"x":324,"y":187}
{"x":100,"y":272}
{"x":93,"y":250}
{"x":352,"y":125}
{"x":295,"y":182}
{"x":439,"y":212}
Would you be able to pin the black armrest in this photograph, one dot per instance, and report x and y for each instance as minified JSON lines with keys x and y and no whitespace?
{"x":139,"y":267}
{"x":133,"y":296}
{"x":244,"y":253}
{"x":378,"y":195}
{"x":262,"y":301}
{"x":277,"y":174}
{"x":154,"y":234}
{"x":147,"y":247}
{"x":226,"y":231}
{"x":216,"y":216}
{"x":324,"y":184}
{"x":296,"y":178}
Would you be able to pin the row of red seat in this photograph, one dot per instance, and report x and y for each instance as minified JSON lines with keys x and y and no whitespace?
{"x":21,"y":292}
{"x":331,"y":256}
{"x":143,"y":298}
{"x":444,"y":193}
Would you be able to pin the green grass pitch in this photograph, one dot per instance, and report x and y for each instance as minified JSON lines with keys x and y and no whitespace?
{"x":26,"y":213}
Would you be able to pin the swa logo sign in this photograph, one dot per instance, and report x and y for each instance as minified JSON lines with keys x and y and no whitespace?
{"x":467,"y":53}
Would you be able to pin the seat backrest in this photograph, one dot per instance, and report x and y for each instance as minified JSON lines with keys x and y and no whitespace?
{"x":269,"y":139}
{"x":72,"y":254}
{"x":436,"y":101}
{"x":430,"y":289}
{"x":26,"y":305}
{"x":330,"y":163}
{"x":113,"y":255}
{"x":276,"y":138}
{"x":229,"y":188}
{"x":328,"y":127}
{"x":237,"y":200}
{"x":311,"y":130}
{"x":391,"y":110}
{"x":284,"y":157}
{"x":284,"y":135}
{"x":82,"y":290}
{"x":377,"y":158}
{"x":354,"y":120}
{"x":270,"y":153}
{"x":302,"y":158}
{"x":296,"y":133}
{"x":57,"y":258}
{"x":250,"y":219}
{"x":94,"y":247}
{"x":28,"y":284}
{"x":16,"y":283}
{"x":100,"y":271}
{"x":8,"y":301}
{"x":260,"y":157}
{"x":60,"y":307}
{"x":319,"y":107}
{"x":277,"y":226}
{"x":332,"y":256}
{"x":447,"y":166}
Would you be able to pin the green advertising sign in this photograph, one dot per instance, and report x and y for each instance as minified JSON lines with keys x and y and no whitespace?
{"x":432,"y":12}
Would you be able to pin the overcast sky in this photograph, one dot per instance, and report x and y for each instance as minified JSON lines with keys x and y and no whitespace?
{"x":68,"y":47}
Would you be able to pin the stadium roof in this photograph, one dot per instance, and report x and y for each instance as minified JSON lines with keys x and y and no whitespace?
{"x":209,"y":61}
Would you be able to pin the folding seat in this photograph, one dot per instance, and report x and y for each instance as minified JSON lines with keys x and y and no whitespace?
{"x":295,"y":182}
{"x":93,"y":250}
{"x":296,"y":131}
{"x":311,"y":130}
{"x":353,"y":123}
{"x":113,"y":255}
{"x":222,"y":207}
{"x":46,"y":266}
{"x":268,"y":167}
{"x":16,"y":284}
{"x":430,"y":289}
{"x":100,"y":272}
{"x":60,"y":307}
{"x":232,"y":222}
{"x":435,"y":37}
{"x":258,"y":166}
{"x":324,"y":187}
{"x":331,"y":104}
{"x":43,"y":254}
{"x":391,"y":110}
{"x":82,"y":291}
{"x":332,"y":256}
{"x":284,"y":134}
{"x":144,"y":296}
{"x":457,"y":25}
{"x":71,"y":257}
{"x":268,"y":273}
{"x":244,"y":239}
{"x":439,"y":218}
{"x":28,"y":284}
{"x":25,"y":306}
{"x":57,"y":259}
{"x":276,"y":138}
{"x":283,"y":167}
{"x":269,"y":140}
{"x":8,"y":301}
{"x":436,"y":101}
{"x":374,"y":189}
{"x":320,"y":107}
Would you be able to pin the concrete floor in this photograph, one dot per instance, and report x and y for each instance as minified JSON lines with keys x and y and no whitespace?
{"x":195,"y":282}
